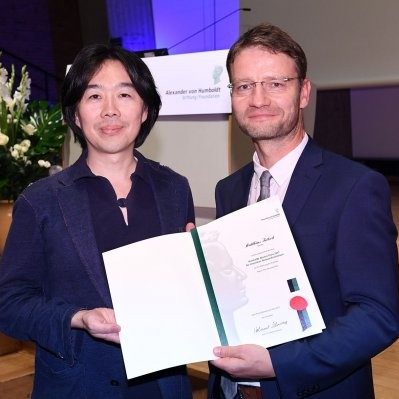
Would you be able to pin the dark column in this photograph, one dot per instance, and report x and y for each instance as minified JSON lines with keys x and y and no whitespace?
{"x":65,"y":32}
{"x":94,"y":21}
{"x":333,"y":128}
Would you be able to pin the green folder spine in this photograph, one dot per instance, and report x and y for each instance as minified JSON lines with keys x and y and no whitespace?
{"x":209,"y":287}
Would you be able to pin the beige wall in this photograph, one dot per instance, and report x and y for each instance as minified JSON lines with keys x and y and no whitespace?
{"x":349,"y":43}
{"x":196,"y":147}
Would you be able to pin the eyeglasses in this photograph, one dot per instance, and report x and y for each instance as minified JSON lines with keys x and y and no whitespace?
{"x":271,"y":86}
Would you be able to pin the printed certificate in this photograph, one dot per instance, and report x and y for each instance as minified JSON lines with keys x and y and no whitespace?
{"x":236,"y":280}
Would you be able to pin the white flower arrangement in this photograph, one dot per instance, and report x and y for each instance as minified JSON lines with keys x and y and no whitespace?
{"x":31,"y":135}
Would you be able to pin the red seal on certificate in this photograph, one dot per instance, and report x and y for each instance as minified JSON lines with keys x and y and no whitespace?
{"x":300,"y":304}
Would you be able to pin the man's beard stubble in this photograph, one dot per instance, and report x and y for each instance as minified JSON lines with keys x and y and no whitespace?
{"x":273,"y":131}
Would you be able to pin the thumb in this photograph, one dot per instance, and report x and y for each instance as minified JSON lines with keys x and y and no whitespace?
{"x":224,"y":351}
{"x":189,"y":226}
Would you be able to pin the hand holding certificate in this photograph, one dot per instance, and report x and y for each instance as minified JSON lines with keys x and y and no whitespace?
{"x":238,"y":279}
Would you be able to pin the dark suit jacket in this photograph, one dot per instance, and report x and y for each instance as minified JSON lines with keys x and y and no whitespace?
{"x":52,"y":268}
{"x":340,"y":216}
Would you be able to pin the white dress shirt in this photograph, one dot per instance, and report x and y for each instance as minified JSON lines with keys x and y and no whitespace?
{"x":281,"y":173}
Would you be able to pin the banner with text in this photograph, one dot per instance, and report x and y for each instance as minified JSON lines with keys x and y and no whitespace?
{"x":194,"y":83}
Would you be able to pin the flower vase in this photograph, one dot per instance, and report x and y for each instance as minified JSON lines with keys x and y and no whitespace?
{"x":5,"y":222}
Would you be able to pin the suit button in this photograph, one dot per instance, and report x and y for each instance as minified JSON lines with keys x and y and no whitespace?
{"x":114,"y":383}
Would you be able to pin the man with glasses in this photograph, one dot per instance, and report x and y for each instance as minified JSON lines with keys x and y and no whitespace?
{"x":339,"y":213}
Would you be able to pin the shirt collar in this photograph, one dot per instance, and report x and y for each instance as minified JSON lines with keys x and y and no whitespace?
{"x":141,"y":168}
{"x":282,"y":170}
{"x":81,"y":168}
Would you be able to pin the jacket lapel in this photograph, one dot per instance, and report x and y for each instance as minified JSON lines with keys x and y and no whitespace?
{"x":241,"y":188}
{"x":74,"y":206}
{"x":168,"y":199}
{"x":303,"y":179}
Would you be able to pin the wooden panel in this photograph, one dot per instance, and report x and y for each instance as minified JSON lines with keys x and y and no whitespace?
{"x":16,"y":374}
{"x":20,"y":388}
{"x":8,"y":345}
{"x":198,"y":374}
{"x":385,"y":373}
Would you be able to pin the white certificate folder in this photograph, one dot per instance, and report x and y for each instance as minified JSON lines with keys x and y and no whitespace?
{"x":237,"y":280}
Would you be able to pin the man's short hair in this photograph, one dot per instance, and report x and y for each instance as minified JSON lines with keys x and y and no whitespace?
{"x":86,"y":64}
{"x":273,"y":39}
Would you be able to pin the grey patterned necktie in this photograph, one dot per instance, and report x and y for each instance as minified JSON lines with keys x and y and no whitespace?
{"x":264,"y":185}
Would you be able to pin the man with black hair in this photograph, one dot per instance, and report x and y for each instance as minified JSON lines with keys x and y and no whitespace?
{"x":53,"y":287}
